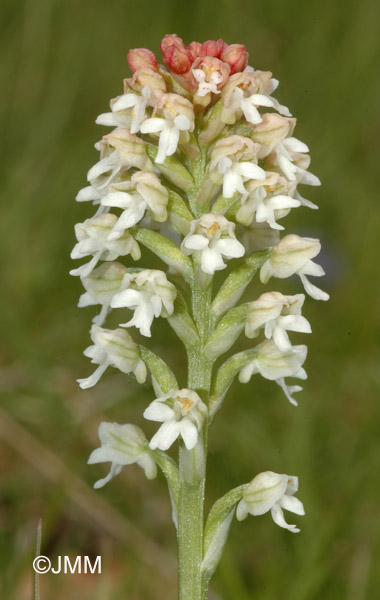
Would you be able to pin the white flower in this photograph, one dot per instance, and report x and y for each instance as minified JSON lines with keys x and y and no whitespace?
{"x":275,"y":365}
{"x":93,"y":240}
{"x":133,"y":211}
{"x":149,"y":294}
{"x":266,"y":208}
{"x":169,"y":128}
{"x":248,"y":105}
{"x":101,"y":285}
{"x":235,"y":173}
{"x":277,"y":314}
{"x":205,"y":87}
{"x":127,"y":111}
{"x":100,"y":176}
{"x":144,"y":191}
{"x":213,"y":236}
{"x":229,"y":164}
{"x":181,"y":413}
{"x":291,"y":255}
{"x":287,"y":153}
{"x":122,"y":445}
{"x":271,"y":492}
{"x":113,"y":348}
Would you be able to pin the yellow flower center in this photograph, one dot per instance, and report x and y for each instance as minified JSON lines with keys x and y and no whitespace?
{"x":212,"y":229}
{"x":187,"y":405}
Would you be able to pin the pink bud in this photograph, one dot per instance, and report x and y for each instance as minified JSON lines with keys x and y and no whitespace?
{"x":236,"y":56}
{"x":214,"y":49}
{"x":171,"y":39}
{"x":141,"y":58}
{"x":194,"y":49}
{"x":177,"y":59}
{"x":175,"y":54}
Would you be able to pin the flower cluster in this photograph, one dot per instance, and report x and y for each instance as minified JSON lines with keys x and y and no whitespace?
{"x":199,"y":167}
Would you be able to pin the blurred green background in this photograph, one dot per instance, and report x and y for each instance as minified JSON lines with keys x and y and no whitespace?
{"x":61,"y":61}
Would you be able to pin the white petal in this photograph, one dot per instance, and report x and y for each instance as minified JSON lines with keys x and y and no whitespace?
{"x":125,"y":101}
{"x":247,"y":371}
{"x":182,"y":122}
{"x":305,"y":202}
{"x":292,"y":504}
{"x":289,"y":390}
{"x":196,"y":242}
{"x":153,"y":125}
{"x":313,"y":290}
{"x":117,"y":199}
{"x":242,"y":511}
{"x":281,"y":339}
{"x":107,"y":119}
{"x":94,"y":378}
{"x":165,"y":436}
{"x":189,"y":433}
{"x":115,"y":470}
{"x":310,"y":179}
{"x":261,"y":100}
{"x":251,"y":170}
{"x":311,"y":268}
{"x":278,"y":518}
{"x":211,"y":261}
{"x":87,"y":193}
{"x":126,"y":298}
{"x":168,"y":143}
{"x":232,"y":182}
{"x":86,"y":300}
{"x":294,"y":145}
{"x":229,"y":247}
{"x":295,"y":323}
{"x":251,"y":113}
{"x":281,"y":201}
{"x":283,"y":110}
{"x":147,"y":463}
{"x":158,"y":411}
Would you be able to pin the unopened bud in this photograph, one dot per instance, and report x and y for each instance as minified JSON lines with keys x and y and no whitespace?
{"x":236,"y":56}
{"x":194,"y":49}
{"x":141,"y":58}
{"x":175,"y":54}
{"x":212,"y":48}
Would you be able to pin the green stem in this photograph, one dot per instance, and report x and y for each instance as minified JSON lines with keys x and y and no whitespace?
{"x":192,"y":464}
